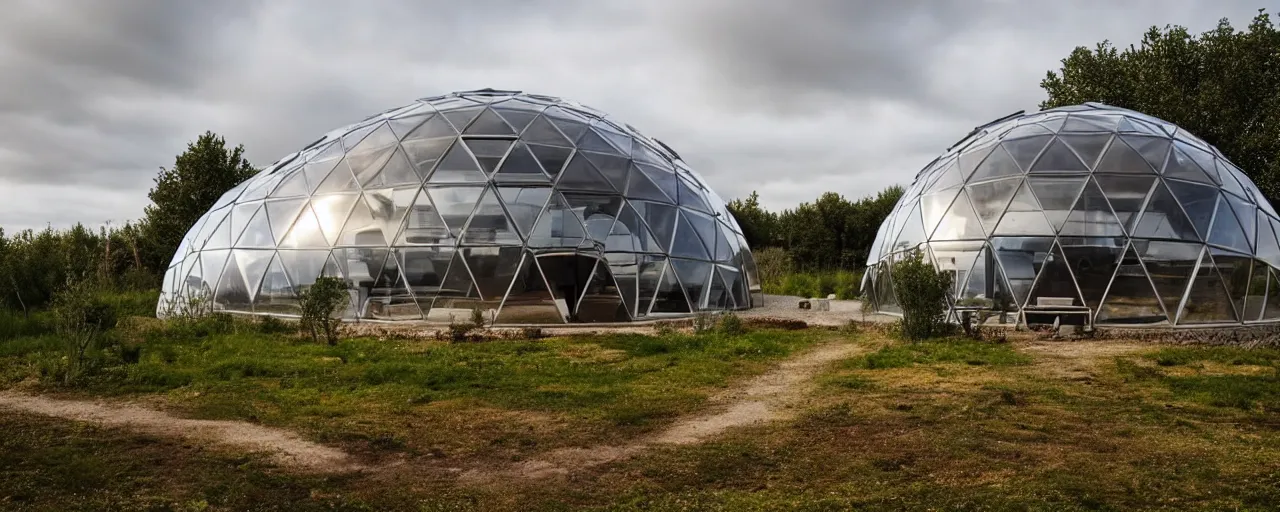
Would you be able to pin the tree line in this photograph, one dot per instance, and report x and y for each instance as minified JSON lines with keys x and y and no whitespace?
{"x":830,"y":233}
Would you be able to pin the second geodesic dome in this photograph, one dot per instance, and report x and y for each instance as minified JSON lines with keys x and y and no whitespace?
{"x":1089,"y":206}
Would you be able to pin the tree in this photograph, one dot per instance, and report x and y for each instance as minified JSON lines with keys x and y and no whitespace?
{"x":921,"y":290}
{"x":199,"y":176}
{"x":759,"y":226}
{"x":1223,"y":86}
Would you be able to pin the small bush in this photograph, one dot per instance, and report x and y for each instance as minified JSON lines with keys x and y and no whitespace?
{"x":79,"y":321}
{"x":922,"y":293}
{"x":320,"y":303}
{"x":731,"y":325}
{"x":704,"y":323}
{"x":477,"y":317}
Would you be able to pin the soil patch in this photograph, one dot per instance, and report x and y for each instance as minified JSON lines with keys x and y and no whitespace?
{"x":285,"y":448}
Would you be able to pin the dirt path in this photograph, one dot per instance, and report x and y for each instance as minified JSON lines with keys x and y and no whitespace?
{"x":286,"y":448}
{"x":773,"y":396}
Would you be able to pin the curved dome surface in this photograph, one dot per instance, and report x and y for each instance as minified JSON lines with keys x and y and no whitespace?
{"x":1092,"y":205}
{"x":531,"y":208}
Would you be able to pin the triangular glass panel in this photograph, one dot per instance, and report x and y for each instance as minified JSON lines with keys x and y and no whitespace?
{"x":461,"y":118}
{"x":1054,"y":280}
{"x":1093,"y":262}
{"x":1272,"y":310}
{"x":520,"y":166}
{"x":211,"y":265}
{"x":613,"y":168}
{"x":624,"y":275}
{"x":621,"y":143}
{"x":630,"y":234}
{"x":253,"y":265}
{"x":455,"y":205}
{"x":1207,"y":298}
{"x":573,"y":129}
{"x":321,"y":165}
{"x":396,"y":171}
{"x":1087,"y":147}
{"x":692,"y":197}
{"x":581,"y":174}
{"x":970,"y":158}
{"x":340,"y":180}
{"x":1226,"y":230}
{"x":1182,"y":167}
{"x":1127,"y":195}
{"x":660,"y":218}
{"x":998,"y":163}
{"x":1203,"y":159}
{"x":687,"y":243}
{"x":231,"y":294}
{"x":669,"y":296}
{"x":960,"y":222}
{"x":1170,"y":265}
{"x":639,"y":186}
{"x":979,"y":288}
{"x":1235,"y":270}
{"x":403,"y":126}
{"x":1153,"y":149}
{"x":489,"y":123}
{"x":275,"y":293}
{"x":458,"y":166}
{"x":331,"y":211}
{"x":1120,"y":158}
{"x":221,"y":237}
{"x":1163,"y":218}
{"x":377,"y":139}
{"x":295,"y":185}
{"x":1024,"y":216}
{"x":726,"y":243}
{"x":947,"y":179}
{"x":1247,"y":215}
{"x":1199,"y":202}
{"x":664,"y":179}
{"x":932,"y":207}
{"x":557,"y":226}
{"x":1231,"y":184}
{"x":423,"y":224}
{"x":257,"y":233}
{"x":457,"y":282}
{"x":1022,"y":259}
{"x":592,"y":141}
{"x":718,"y":296}
{"x":493,"y":268}
{"x":489,"y":152}
{"x":1026,"y":130}
{"x":695,"y":277}
{"x":435,"y":127}
{"x":519,"y":119}
{"x":282,"y":214}
{"x":912,"y":233}
{"x":1092,"y":215}
{"x":1058,"y":158}
{"x":541,"y":131}
{"x":524,"y":204}
{"x":528,"y":300}
{"x":1130,"y":299}
{"x":425,"y":153}
{"x":1268,"y":248}
{"x":1088,"y":123}
{"x":706,"y":229}
{"x":240,"y":215}
{"x":303,"y":267}
{"x":596,"y":212}
{"x":362,"y":230}
{"x":1025,"y":150}
{"x":990,"y":199}
{"x":490,"y":223}
{"x":552,"y":158}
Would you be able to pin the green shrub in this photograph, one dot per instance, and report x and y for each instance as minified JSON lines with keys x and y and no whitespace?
{"x":922,"y":293}
{"x":320,"y":303}
{"x":79,"y":320}
{"x":731,"y":325}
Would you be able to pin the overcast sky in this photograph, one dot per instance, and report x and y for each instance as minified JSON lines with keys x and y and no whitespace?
{"x":790,"y":98}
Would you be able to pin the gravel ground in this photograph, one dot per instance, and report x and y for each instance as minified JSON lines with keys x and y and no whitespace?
{"x":783,"y":306}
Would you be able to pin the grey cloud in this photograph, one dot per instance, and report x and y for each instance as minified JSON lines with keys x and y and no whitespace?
{"x":791,"y":99}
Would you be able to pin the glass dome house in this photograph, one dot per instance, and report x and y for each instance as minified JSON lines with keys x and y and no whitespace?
{"x":531,"y":208}
{"x":1110,"y":213}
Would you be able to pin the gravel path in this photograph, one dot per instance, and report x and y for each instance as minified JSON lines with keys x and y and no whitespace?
{"x":842,"y":311}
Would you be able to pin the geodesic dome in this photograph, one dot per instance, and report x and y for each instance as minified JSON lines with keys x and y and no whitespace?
{"x":531,"y":208}
{"x":1089,"y":206}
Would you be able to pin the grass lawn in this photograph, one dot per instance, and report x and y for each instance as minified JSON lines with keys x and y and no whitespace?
{"x":940,"y":425}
